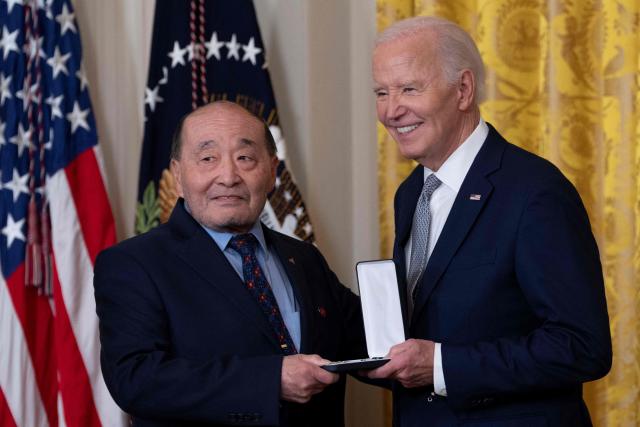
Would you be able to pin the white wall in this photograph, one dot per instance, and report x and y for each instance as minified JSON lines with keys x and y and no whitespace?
{"x":318,"y":53}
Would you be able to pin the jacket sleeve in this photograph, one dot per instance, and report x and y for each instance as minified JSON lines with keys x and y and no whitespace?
{"x":558,"y":269}
{"x":144,"y":375}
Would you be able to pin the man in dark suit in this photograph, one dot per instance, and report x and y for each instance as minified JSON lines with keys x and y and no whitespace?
{"x":212,"y":318}
{"x":499,"y":272}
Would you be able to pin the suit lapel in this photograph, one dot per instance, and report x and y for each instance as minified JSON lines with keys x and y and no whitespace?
{"x":293,"y":265}
{"x":464,"y":212}
{"x":202,"y":254}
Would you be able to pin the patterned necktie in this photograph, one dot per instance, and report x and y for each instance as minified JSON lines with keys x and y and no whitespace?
{"x":420,"y":239}
{"x":258,"y":286}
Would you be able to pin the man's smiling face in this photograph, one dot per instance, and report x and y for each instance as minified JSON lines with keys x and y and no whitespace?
{"x":414,"y":100}
{"x":224,"y":171}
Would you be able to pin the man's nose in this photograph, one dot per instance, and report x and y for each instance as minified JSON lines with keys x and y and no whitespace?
{"x":395,"y":108}
{"x":228,"y":172}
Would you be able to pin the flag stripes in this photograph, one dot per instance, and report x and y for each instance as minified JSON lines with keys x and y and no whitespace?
{"x":49,"y":345}
{"x":17,"y":376}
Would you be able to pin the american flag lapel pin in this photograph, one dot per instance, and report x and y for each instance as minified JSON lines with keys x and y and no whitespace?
{"x":292,"y":260}
{"x":475,"y":197}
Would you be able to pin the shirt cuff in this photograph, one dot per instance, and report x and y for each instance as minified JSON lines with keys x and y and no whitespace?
{"x":439,"y":386}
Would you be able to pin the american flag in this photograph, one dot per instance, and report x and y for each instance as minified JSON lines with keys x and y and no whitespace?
{"x":54,"y":219}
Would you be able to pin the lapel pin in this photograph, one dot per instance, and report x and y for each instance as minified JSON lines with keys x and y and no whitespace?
{"x":322,"y":312}
{"x":292,"y":261}
{"x":475,"y":197}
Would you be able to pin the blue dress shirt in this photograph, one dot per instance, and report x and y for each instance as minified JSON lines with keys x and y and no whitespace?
{"x":274,"y":271}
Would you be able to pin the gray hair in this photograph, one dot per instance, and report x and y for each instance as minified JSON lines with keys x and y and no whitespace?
{"x":455,"y":48}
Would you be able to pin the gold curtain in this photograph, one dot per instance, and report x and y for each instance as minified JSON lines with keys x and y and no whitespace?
{"x":563,"y":82}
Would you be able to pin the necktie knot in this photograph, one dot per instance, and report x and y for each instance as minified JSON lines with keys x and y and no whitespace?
{"x":244,"y":244}
{"x":431,"y":184}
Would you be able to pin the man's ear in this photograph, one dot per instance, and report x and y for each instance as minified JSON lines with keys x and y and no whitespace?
{"x":175,"y":171}
{"x":466,"y":90}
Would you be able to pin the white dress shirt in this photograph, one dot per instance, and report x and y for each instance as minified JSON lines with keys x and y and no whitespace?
{"x":451,"y":174}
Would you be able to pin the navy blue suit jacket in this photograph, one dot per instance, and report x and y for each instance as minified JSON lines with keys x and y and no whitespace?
{"x":514,"y":292}
{"x":185,"y":344}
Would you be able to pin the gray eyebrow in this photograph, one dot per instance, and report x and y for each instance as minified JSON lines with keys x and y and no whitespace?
{"x":210,"y":143}
{"x":248,"y":142}
{"x":206,"y":144}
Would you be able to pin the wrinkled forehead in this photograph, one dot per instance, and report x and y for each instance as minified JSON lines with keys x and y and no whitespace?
{"x":404,"y":59}
{"x":223,"y":123}
{"x":419,"y":48}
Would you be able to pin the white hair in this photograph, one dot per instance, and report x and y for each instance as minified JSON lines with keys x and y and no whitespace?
{"x":455,"y":48}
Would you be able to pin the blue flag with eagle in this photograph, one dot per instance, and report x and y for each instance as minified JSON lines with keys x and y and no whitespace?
{"x":203,"y":51}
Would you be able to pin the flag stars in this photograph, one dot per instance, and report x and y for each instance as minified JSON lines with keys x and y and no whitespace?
{"x":5,"y":91}
{"x":250,"y":51}
{"x":307,"y":228}
{"x":54,"y":103}
{"x":13,"y":230}
{"x":65,"y":19}
{"x":213,"y":46}
{"x":22,"y":139}
{"x":189,"y":49}
{"x":194,"y":49}
{"x":29,"y":96}
{"x":35,"y":48}
{"x":177,"y":55}
{"x":151,"y":97}
{"x":234,"y":48}
{"x":18,"y":184}
{"x":58,"y":62}
{"x":78,"y":118}
{"x":82,"y":76}
{"x":8,"y":42}
{"x":2,"y":140}
{"x":47,"y":5}
{"x":11,"y":3}
{"x":49,"y":144}
{"x":165,"y":76}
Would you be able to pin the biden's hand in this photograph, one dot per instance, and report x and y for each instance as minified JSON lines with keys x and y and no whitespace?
{"x":411,"y":364}
{"x":302,"y":377}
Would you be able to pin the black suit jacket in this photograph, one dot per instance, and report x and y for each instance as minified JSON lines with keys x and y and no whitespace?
{"x":514,"y":292}
{"x":184,"y":343}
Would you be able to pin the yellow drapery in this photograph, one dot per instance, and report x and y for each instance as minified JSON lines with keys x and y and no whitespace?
{"x":563,"y":81}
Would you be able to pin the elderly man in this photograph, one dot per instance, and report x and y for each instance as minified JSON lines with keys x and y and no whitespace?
{"x":213,"y":319}
{"x":500,"y":275}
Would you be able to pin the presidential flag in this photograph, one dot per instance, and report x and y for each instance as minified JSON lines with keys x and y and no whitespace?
{"x":203,"y":51}
{"x":54,"y":219}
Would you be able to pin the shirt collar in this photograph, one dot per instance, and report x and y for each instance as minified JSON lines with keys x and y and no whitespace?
{"x":455,"y":168}
{"x":222,"y":238}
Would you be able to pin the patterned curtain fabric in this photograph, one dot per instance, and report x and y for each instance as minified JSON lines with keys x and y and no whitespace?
{"x":562,"y":82}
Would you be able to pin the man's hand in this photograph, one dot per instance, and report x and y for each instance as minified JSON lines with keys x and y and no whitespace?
{"x":302,"y":377}
{"x":411,"y":364}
